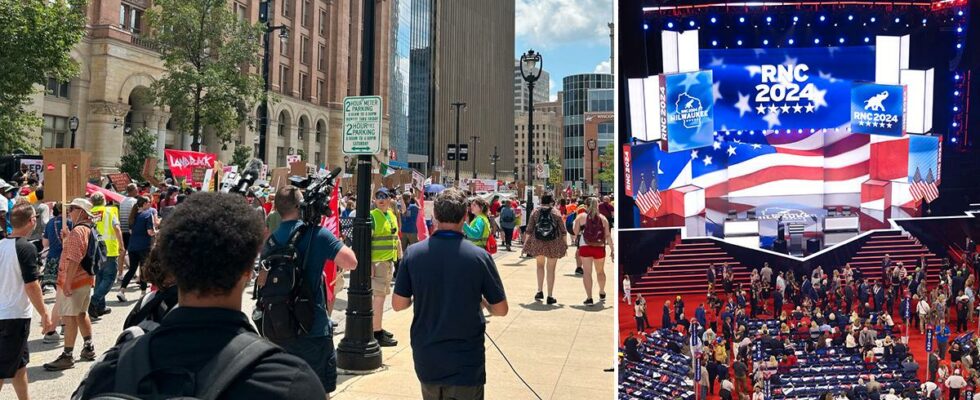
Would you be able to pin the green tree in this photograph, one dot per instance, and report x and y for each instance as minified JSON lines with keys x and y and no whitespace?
{"x":35,"y":40}
{"x":241,"y":156}
{"x":142,"y":145}
{"x":607,"y":160}
{"x":555,"y":173}
{"x":205,"y":47}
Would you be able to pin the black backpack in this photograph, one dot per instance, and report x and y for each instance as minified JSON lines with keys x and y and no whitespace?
{"x":133,"y":367}
{"x":96,"y":255}
{"x":285,"y":307}
{"x":546,"y":228}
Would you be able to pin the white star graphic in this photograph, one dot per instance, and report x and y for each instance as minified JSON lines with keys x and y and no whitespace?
{"x":861,"y":123}
{"x":827,"y":76}
{"x":818,"y":98}
{"x":756,"y":146}
{"x":716,"y":145}
{"x":785,"y":108}
{"x":874,"y":124}
{"x":797,"y":108}
{"x":694,"y":154}
{"x":707,"y":160}
{"x":773,"y":109}
{"x":889,"y":126}
{"x":753,"y":69}
{"x":809,"y":108}
{"x":716,"y":62}
{"x":789,"y":61}
{"x":743,"y":105}
{"x":690,"y":79}
{"x":772,"y":118}
{"x":716,"y":91}
{"x":731,"y":150}
{"x":761,"y":109}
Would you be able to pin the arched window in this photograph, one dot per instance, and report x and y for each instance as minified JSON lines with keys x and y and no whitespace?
{"x":321,"y":130}
{"x":283,"y":123}
{"x":302,"y":128}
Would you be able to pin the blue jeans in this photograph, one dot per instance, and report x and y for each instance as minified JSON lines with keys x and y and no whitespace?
{"x":103,"y":283}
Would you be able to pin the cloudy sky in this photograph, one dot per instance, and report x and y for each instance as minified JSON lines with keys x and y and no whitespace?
{"x":571,"y":35}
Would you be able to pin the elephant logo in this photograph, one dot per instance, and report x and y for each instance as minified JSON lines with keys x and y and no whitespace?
{"x":874,"y":103}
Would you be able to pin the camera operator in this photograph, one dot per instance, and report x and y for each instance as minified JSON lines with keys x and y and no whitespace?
{"x":315,"y":246}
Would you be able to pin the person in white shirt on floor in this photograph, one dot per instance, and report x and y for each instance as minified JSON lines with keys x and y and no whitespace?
{"x":626,"y":289}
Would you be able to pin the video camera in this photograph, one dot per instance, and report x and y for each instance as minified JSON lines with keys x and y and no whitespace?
{"x":317,"y":192}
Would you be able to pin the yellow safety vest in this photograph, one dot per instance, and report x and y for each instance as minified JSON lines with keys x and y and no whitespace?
{"x":384,"y":243}
{"x":105,"y":216}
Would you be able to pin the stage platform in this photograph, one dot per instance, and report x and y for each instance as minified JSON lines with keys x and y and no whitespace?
{"x":821,"y":220}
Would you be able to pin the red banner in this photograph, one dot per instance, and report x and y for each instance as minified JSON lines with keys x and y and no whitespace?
{"x":182,"y":163}
{"x":627,"y":173}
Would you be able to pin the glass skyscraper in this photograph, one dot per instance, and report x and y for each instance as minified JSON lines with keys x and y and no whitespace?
{"x":399,"y":67}
{"x":421,"y":73}
{"x":575,"y":104}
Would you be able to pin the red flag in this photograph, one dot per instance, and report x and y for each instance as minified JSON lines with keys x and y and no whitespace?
{"x":420,"y":221}
{"x":332,"y":223}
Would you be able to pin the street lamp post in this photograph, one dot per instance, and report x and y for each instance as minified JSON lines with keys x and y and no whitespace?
{"x":265,"y":17}
{"x":459,"y":106}
{"x":493,"y":161}
{"x":591,"y":145}
{"x":476,"y":139}
{"x":529,"y":62}
{"x":73,"y":127}
{"x":358,"y":351}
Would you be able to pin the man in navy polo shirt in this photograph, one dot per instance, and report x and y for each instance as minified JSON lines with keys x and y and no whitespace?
{"x":449,"y":280}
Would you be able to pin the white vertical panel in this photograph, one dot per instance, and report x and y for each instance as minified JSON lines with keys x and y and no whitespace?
{"x":915,"y":87}
{"x":637,"y":109}
{"x":927,"y":114}
{"x":903,"y":52}
{"x":687,"y":52}
{"x":669,"y":41}
{"x":651,"y":100}
{"x":887,"y":59}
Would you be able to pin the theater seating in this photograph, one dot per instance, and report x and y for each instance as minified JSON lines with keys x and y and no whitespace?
{"x":661,"y":374}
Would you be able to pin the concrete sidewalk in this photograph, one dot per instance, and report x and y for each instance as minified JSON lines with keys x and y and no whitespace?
{"x":560,"y":350}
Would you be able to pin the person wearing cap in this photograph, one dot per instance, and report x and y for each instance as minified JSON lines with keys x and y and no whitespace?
{"x":75,"y":286}
{"x":385,"y":250}
{"x":7,"y":193}
{"x":111,"y":232}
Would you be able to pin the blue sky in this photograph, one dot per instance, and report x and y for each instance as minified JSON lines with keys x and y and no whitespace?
{"x":571,"y":35}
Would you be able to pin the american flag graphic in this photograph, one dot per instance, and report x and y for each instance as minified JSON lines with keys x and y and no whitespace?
{"x":649,"y":199}
{"x":924,"y":189}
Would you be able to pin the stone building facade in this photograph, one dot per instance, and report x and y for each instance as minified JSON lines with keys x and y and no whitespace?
{"x":548,"y":138}
{"x":310,"y":74}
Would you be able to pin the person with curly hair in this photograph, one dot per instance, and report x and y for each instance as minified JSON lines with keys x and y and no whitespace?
{"x":208,"y":245}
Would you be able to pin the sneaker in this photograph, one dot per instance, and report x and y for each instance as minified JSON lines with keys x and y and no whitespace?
{"x":579,"y":271}
{"x":88,"y":354}
{"x":93,"y":314}
{"x":388,"y":334}
{"x":589,"y":301}
{"x":539,"y":296}
{"x":63,"y":362}
{"x":551,"y":300}
{"x":108,"y":310}
{"x":51,"y":337}
{"x":602,"y":296}
{"x":121,"y":297}
{"x":385,"y":341}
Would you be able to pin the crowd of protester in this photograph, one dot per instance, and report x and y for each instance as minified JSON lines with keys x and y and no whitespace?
{"x":831,"y":333}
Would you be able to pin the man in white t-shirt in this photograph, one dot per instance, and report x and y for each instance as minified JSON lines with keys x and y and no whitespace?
{"x":20,"y":290}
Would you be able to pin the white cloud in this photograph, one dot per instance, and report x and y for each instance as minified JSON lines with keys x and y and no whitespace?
{"x":603,"y":68}
{"x":553,"y":96}
{"x":546,"y":23}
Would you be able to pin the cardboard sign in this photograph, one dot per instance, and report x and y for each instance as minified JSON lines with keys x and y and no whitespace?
{"x":72,"y":184}
{"x":197,"y":175}
{"x":120,"y":181}
{"x":280,"y":178}
{"x":297,"y":168}
{"x":95,"y":175}
{"x":149,"y":171}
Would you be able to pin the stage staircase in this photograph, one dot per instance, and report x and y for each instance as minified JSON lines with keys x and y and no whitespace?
{"x":682,"y":269}
{"x":902,"y":247}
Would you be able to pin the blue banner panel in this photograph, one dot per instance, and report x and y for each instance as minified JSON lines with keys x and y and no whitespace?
{"x":690,"y":110}
{"x":791,"y":88}
{"x":924,"y":159}
{"x":878,"y":109}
